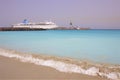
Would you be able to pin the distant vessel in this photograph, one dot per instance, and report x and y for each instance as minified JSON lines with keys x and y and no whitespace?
{"x":42,"y":25}
{"x":77,"y":27}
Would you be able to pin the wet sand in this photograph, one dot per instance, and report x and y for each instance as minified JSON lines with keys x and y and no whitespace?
{"x":12,"y":69}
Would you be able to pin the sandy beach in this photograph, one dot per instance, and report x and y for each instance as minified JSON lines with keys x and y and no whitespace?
{"x":11,"y":69}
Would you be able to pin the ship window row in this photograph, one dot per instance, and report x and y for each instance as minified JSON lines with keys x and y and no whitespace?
{"x":36,"y":24}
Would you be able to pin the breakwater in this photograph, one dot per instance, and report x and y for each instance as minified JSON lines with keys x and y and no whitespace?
{"x":20,"y":29}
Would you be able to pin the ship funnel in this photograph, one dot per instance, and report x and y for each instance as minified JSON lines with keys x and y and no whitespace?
{"x":25,"y":21}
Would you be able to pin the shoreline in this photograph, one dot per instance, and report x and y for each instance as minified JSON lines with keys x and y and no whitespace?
{"x":68,"y":66}
{"x":15,"y":70}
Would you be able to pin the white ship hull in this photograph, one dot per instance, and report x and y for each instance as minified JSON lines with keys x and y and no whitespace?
{"x":36,"y":26}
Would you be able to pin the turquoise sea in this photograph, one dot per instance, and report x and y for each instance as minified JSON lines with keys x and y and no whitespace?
{"x":94,"y":45}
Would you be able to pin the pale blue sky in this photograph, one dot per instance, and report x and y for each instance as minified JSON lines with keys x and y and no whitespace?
{"x":84,"y":13}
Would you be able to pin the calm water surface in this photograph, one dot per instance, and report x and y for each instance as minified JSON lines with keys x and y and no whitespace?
{"x":94,"y":45}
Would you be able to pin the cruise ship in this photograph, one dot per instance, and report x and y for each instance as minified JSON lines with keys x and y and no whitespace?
{"x":40,"y":25}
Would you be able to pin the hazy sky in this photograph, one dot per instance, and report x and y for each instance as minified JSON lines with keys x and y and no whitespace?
{"x":84,"y":13}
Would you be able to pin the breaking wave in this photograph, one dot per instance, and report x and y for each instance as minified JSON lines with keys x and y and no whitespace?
{"x":110,"y":72}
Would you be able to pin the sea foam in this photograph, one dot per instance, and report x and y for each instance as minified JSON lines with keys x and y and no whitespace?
{"x":61,"y":66}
